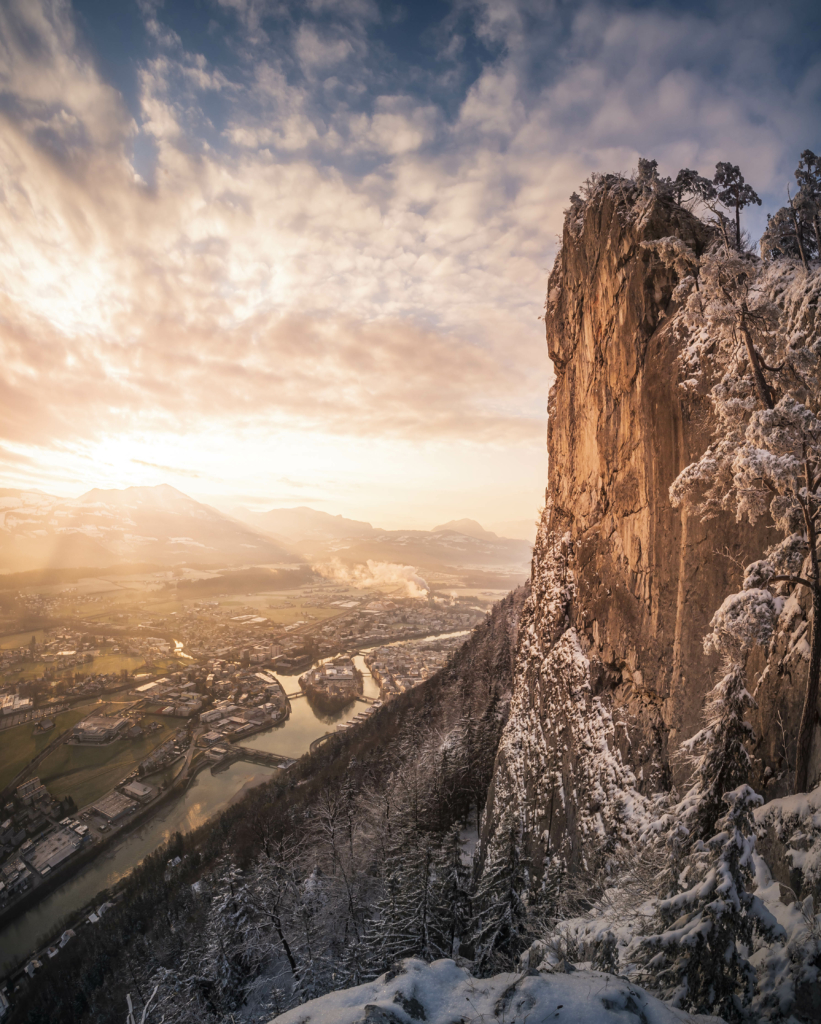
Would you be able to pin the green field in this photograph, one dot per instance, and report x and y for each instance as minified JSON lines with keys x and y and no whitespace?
{"x":19,"y":745}
{"x":108,"y":663}
{"x":86,"y":773}
{"x":11,"y":640}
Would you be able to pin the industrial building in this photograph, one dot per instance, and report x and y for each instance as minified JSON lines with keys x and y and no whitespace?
{"x":53,"y":850}
{"x":97,"y":729}
{"x":113,"y":806}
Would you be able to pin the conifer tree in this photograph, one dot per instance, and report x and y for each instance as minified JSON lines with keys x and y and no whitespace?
{"x":500,"y":923}
{"x":734,"y":193}
{"x":450,"y":895}
{"x":698,"y":955}
{"x":808,"y":200}
{"x":690,"y":184}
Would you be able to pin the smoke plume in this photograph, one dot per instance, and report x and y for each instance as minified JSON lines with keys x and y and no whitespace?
{"x":374,"y":574}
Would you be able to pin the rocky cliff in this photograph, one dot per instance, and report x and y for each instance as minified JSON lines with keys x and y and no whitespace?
{"x":612,"y":673}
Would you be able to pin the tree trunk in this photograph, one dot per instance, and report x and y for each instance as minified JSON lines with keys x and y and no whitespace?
{"x":809,"y":713}
{"x":738,"y":227}
{"x":798,"y":237}
{"x":761,"y":385}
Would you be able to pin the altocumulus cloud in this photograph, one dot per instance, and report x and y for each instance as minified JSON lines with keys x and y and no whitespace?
{"x":327,"y":217}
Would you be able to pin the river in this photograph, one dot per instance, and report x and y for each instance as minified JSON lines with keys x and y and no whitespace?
{"x":207,"y":796}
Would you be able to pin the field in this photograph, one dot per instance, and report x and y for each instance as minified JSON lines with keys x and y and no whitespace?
{"x":11,"y":640}
{"x":279,"y":610}
{"x":86,"y":773}
{"x":20,"y":744}
{"x":105,"y":663}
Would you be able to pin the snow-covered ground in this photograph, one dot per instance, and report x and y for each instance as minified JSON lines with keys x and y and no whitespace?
{"x":443,"y":993}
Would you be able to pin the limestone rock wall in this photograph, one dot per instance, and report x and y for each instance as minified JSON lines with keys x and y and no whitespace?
{"x":612,"y":672}
{"x":620,"y":430}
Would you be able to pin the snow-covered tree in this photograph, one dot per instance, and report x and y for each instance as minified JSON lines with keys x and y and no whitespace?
{"x":766,"y":459}
{"x":778,"y":469}
{"x":734,"y":193}
{"x":689,"y":184}
{"x":450,"y":895}
{"x":718,"y":752}
{"x":782,"y":236}
{"x":698,"y":955}
{"x":808,"y":200}
{"x":500,"y":927}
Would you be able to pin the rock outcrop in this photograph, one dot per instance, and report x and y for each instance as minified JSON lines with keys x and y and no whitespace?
{"x":612,"y":673}
{"x":443,"y":993}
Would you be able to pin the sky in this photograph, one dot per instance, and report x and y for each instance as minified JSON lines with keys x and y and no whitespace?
{"x":284,"y":253}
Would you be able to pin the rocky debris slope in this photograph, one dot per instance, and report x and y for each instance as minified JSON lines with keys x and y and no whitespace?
{"x":442,"y":993}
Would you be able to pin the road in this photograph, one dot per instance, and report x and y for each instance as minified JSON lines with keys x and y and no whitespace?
{"x":192,"y":748}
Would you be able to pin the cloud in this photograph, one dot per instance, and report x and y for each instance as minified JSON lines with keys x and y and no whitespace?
{"x":335,"y":238}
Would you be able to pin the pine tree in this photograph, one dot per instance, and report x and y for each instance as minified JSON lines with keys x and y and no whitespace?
{"x":698,"y":955}
{"x":450,"y":895}
{"x":500,"y":924}
{"x":720,"y":758}
{"x":403,"y":924}
{"x":689,"y":184}
{"x":808,"y":200}
{"x":734,"y":193}
{"x":226,"y":965}
{"x":718,"y":752}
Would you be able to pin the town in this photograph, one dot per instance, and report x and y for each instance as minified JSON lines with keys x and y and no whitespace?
{"x":104,"y":719}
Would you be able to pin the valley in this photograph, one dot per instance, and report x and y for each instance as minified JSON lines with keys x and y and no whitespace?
{"x":160,"y":649}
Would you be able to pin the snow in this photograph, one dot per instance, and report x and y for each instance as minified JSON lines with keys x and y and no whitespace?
{"x":443,"y":993}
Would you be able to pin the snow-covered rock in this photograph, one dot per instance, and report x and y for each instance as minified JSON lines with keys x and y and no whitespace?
{"x":443,"y":993}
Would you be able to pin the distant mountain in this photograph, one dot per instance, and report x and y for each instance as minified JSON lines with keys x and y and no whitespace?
{"x":431,"y":550}
{"x":468,"y":527}
{"x":137,"y":524}
{"x":318,"y":537}
{"x":303,"y":523}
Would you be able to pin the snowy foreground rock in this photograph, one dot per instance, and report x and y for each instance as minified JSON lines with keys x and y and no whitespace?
{"x":443,"y":993}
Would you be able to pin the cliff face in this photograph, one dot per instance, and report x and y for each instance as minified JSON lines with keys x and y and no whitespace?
{"x":612,"y":673}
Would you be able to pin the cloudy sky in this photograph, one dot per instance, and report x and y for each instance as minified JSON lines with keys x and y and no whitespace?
{"x":286,"y":252}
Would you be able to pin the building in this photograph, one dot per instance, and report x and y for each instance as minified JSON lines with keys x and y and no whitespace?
{"x":113,"y":806}
{"x":97,"y":729}
{"x":32,"y":791}
{"x":210,"y":738}
{"x":53,"y":850}
{"x":211,"y":716}
{"x":139,"y":791}
{"x":11,"y":704}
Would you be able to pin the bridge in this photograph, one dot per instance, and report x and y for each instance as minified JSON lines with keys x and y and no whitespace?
{"x":321,"y":742}
{"x":368,"y":700}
